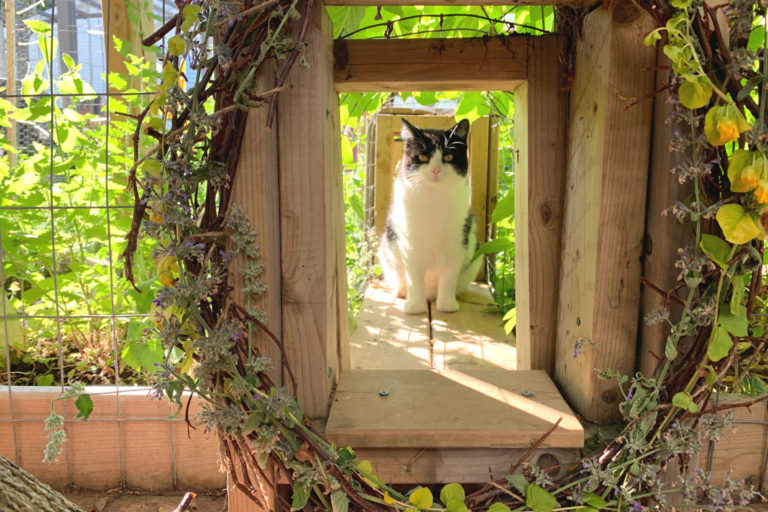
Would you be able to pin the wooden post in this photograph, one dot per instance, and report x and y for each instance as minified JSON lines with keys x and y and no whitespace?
{"x":541,"y":115}
{"x":663,"y":234}
{"x":314,"y":299}
{"x":608,"y":156}
{"x":118,"y":24}
{"x":255,"y":189}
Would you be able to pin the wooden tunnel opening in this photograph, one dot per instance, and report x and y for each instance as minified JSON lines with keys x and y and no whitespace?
{"x":373,"y":407}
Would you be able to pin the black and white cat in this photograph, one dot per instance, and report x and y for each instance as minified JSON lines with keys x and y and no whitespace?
{"x":426,"y":252}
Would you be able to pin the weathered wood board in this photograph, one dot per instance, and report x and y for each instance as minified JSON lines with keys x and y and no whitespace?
{"x":608,"y":158}
{"x":314,"y":305}
{"x":418,"y":466}
{"x":482,"y":64}
{"x":541,"y":119}
{"x":450,"y":409}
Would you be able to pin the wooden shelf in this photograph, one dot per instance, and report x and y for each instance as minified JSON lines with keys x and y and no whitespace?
{"x":450,"y":409}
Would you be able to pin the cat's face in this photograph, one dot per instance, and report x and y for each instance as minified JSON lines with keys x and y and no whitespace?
{"x":437,"y":157}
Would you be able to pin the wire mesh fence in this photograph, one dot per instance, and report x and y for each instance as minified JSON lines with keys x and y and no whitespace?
{"x":73,"y":75}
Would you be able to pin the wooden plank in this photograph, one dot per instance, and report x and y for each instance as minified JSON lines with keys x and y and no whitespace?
{"x":256,"y":190}
{"x":663,"y":233}
{"x":478,"y":148}
{"x":418,"y":466}
{"x":605,"y":209}
{"x":488,"y":409}
{"x":118,"y":24}
{"x":563,"y":3}
{"x":539,"y":190}
{"x":386,"y":338}
{"x":473,"y":337}
{"x":741,"y":450}
{"x":487,"y":64}
{"x":309,"y":155}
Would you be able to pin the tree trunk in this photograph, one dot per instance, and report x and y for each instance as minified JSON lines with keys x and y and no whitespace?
{"x":22,"y":492}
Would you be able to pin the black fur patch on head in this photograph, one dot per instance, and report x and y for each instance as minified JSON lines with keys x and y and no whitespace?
{"x":467,"y":228}
{"x":426,"y":142}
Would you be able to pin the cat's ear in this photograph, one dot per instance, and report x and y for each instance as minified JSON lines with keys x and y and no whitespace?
{"x":409,"y":131}
{"x":460,"y":130}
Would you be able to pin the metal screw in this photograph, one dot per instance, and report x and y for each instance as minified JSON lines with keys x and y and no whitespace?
{"x":527,"y":392}
{"x":383,"y":392}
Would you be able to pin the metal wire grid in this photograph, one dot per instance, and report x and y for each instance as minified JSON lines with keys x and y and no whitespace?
{"x":59,"y":318}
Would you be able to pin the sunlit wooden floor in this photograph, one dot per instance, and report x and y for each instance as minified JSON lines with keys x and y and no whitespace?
{"x":472,"y":338}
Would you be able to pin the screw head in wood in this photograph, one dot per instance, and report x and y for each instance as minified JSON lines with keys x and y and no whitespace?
{"x":383,"y":392}
{"x":527,"y":392}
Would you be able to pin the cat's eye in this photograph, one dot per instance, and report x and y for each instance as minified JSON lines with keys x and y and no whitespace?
{"x":423,"y":157}
{"x":448,"y":157}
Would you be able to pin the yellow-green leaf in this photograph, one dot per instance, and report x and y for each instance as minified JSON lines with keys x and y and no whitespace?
{"x":421,"y":498}
{"x":539,"y":500}
{"x":738,"y":225}
{"x":189,"y":14}
{"x":452,"y":492}
{"x":696,"y":92}
{"x":746,"y":169}
{"x":723,"y":124}
{"x":684,"y":401}
{"x":717,"y":249}
{"x":177,"y":45}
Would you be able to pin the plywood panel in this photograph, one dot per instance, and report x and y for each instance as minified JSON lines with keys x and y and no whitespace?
{"x":310,"y":188}
{"x":449,"y":409}
{"x":541,"y":121}
{"x":605,"y":209}
{"x":478,"y":63}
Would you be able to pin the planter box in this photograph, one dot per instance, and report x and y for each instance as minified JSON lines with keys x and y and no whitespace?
{"x":129,"y":441}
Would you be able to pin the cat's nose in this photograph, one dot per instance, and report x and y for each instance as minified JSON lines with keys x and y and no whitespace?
{"x":435,"y":171}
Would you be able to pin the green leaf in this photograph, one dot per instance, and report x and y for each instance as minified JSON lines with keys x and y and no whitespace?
{"x":738,"y":225}
{"x":695,"y":93}
{"x":497,"y":245}
{"x":505,"y":208}
{"x":498,"y":507}
{"x":421,"y":498}
{"x":670,"y":351}
{"x":720,"y":345}
{"x":518,"y":481}
{"x":84,"y":406}
{"x":736,"y":325}
{"x":652,"y":38}
{"x":300,"y":496}
{"x":711,"y":377}
{"x":452,"y":492}
{"x":717,"y":249}
{"x":595,"y":501}
{"x":142,"y":355}
{"x":680,"y":4}
{"x":739,"y":291}
{"x":38,"y":27}
{"x":684,"y":401}
{"x":251,"y":423}
{"x":456,"y":506}
{"x":44,"y":380}
{"x":177,"y":45}
{"x":539,"y":500}
{"x":339,"y":501}
{"x":345,"y":19}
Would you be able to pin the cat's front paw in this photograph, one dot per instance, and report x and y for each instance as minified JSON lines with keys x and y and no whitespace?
{"x":449,"y":305}
{"x":415,"y":307}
